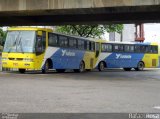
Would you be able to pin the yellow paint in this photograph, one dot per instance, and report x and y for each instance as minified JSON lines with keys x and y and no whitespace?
{"x":148,"y":59}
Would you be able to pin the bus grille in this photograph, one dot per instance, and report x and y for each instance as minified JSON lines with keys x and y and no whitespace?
{"x":18,"y":59}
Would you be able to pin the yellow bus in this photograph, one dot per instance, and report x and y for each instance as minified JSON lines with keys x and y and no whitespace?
{"x":40,"y":49}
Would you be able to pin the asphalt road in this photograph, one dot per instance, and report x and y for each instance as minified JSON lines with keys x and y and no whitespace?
{"x":90,"y":92}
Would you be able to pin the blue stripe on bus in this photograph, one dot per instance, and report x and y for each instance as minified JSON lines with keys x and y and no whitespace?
{"x":67,"y":59}
{"x":122,"y":60}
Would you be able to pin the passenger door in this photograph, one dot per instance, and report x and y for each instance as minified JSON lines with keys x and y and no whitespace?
{"x":40,"y":47}
{"x":97,"y":50}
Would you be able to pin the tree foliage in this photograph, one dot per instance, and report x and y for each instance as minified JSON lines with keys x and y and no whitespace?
{"x":94,"y":31}
{"x":2,"y":36}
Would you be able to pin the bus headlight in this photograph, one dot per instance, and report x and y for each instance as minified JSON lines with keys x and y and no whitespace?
{"x":4,"y":58}
{"x":28,"y":59}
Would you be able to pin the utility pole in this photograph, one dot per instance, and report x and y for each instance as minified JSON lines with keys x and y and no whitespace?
{"x":139,"y":34}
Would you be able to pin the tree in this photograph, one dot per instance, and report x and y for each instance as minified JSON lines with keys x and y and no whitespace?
{"x":94,"y":31}
{"x":2,"y":36}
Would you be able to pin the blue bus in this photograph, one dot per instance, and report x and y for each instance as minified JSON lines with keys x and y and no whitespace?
{"x":128,"y":56}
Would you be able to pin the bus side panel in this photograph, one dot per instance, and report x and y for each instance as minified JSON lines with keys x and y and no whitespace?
{"x":102,"y":57}
{"x":122,"y":60}
{"x":63,"y":58}
{"x":89,"y":59}
{"x":151,"y":60}
{"x":67,"y":59}
{"x":48,"y":54}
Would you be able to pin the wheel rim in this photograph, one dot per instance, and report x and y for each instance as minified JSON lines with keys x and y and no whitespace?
{"x":101,"y":66}
{"x":81,"y":67}
{"x":140,"y":66}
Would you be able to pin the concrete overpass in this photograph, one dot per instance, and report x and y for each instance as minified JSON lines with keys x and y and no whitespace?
{"x":58,"y":12}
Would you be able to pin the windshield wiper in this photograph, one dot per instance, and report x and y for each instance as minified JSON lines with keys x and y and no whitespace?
{"x":14,"y":43}
{"x":20,"y":44}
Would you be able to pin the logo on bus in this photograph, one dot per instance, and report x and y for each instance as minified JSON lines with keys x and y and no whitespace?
{"x":120,"y":56}
{"x":68,"y":53}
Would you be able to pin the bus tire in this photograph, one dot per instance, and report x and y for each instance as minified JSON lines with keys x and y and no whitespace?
{"x":127,"y":69}
{"x":88,"y":70}
{"x":140,"y":66}
{"x":81,"y":67}
{"x":101,"y":66}
{"x":60,"y":70}
{"x":22,"y":71}
{"x":46,"y":67}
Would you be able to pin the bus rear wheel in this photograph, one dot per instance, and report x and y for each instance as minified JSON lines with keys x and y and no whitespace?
{"x":127,"y":69}
{"x":140,"y":66}
{"x":81,"y":67}
{"x":60,"y":70}
{"x":88,"y":70}
{"x":101,"y":66}
{"x":22,"y":71}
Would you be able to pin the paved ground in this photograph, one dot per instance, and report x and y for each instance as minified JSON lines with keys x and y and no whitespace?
{"x":109,"y":91}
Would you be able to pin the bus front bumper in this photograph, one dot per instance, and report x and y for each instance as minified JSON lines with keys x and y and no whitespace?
{"x":18,"y":64}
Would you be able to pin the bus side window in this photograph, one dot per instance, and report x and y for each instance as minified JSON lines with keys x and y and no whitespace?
{"x":143,"y":49}
{"x":92,"y":46}
{"x":106,"y":48}
{"x":118,"y":48}
{"x":148,"y":49}
{"x":52,"y":40}
{"x":88,"y":45}
{"x":155,"y":49}
{"x":137,"y":48}
{"x":81,"y":44}
{"x":97,"y":49}
{"x":131,"y":48}
{"x":109,"y":47}
{"x":72,"y":43}
{"x":63,"y":41}
{"x":41,"y":43}
{"x":128,"y":48}
{"x":121,"y":48}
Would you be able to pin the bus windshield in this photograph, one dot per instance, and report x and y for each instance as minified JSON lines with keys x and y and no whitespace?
{"x":20,"y":41}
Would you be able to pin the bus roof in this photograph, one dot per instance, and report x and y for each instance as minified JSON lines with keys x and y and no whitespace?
{"x":140,"y":43}
{"x":90,"y":39}
{"x":29,"y":29}
{"x":46,"y":29}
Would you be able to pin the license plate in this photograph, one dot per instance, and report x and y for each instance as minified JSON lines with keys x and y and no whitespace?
{"x":15,"y":64}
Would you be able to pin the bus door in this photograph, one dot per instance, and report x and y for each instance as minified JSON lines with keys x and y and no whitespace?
{"x":40,"y":47}
{"x":97,"y":49}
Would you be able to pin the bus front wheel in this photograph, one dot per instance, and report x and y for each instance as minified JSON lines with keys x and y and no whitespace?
{"x":140,"y":66}
{"x":46,"y":67}
{"x":22,"y":71}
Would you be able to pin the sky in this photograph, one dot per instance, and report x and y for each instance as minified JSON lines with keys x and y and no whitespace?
{"x":152,"y":32}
